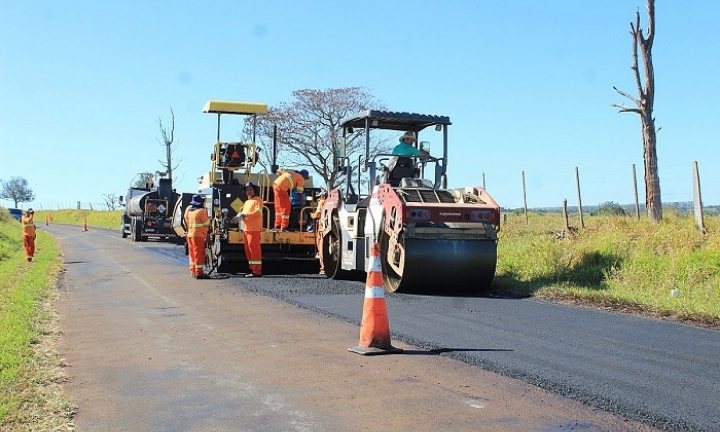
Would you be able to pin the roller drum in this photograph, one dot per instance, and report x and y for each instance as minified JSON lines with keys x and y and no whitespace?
{"x":439,"y":266}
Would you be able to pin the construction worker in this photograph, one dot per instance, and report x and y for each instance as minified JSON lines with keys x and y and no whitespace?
{"x":251,"y":215}
{"x":317,"y":217}
{"x":28,"y":223}
{"x":287,"y":181}
{"x":197,"y":223}
{"x":407,"y":147}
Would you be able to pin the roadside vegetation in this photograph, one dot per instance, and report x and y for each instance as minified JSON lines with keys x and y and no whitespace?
{"x":667,"y":269}
{"x":30,"y":367}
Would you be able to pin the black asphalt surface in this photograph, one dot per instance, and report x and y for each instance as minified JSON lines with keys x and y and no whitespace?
{"x":662,"y":373}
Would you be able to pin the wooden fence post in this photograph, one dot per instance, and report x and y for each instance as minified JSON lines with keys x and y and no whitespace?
{"x":525,"y":199}
{"x":697,"y":199}
{"x":577,"y":180}
{"x":637,"y":203}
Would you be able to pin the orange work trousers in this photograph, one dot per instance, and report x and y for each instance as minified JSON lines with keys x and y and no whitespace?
{"x":283,"y":207}
{"x":253,"y":251}
{"x":29,"y":244}
{"x":196,"y":254}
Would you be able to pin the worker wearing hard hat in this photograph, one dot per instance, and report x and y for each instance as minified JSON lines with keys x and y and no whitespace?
{"x":319,"y":227}
{"x":287,"y":181}
{"x":197,"y":223}
{"x":407,"y":146}
{"x":28,"y":233}
{"x":251,"y":216}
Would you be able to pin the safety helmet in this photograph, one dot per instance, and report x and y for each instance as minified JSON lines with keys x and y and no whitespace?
{"x":249,"y":184}
{"x":322,"y":193}
{"x":197,"y":200}
{"x":30,"y":211}
{"x":304,"y":173}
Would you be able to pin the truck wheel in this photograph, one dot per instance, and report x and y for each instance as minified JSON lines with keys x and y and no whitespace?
{"x":136,"y":230}
{"x":123,"y":233}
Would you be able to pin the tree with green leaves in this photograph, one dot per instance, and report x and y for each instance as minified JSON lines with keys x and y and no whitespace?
{"x":308,"y":129}
{"x":17,"y":190}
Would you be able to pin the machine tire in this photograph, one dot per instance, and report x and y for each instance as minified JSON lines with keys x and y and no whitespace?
{"x":123,"y":232}
{"x":332,"y":253}
{"x":390,"y":277}
{"x":212,"y":250}
{"x":135,"y":229}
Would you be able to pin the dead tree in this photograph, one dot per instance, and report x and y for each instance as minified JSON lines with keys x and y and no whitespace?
{"x":644,"y":108}
{"x":168,"y":137}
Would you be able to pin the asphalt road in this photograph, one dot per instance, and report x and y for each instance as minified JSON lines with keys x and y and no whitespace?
{"x":663,"y":374}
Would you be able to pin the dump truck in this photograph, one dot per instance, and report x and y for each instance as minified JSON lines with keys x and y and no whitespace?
{"x":148,"y":209}
{"x":433,"y":240}
{"x":232,"y":164}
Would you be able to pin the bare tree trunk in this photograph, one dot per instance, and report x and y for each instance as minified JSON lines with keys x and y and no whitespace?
{"x":644,"y":109}
{"x":168,"y":136}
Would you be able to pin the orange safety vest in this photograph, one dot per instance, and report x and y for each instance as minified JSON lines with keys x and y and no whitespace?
{"x":28,"y":223}
{"x":318,"y":212}
{"x":290,"y":179}
{"x":197,"y":222}
{"x":252,"y":214}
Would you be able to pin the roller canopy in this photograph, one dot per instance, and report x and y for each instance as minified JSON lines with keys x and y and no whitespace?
{"x":227,"y":107}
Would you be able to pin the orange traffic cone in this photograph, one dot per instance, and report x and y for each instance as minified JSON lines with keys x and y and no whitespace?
{"x":46,"y":221}
{"x":375,"y":325}
{"x":85,"y":224}
{"x":51,"y":218}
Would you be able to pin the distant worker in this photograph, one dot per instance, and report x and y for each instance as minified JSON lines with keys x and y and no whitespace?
{"x":197,"y":223}
{"x":287,"y":181}
{"x":28,"y":223}
{"x":317,"y":217}
{"x":251,"y":215}
{"x":407,"y":147}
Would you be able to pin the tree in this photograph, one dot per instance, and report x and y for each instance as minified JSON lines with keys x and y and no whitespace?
{"x":308,"y":129}
{"x":168,"y":137}
{"x":644,"y":108}
{"x":609,"y":208}
{"x":16,"y":189}
{"x":111,"y":201}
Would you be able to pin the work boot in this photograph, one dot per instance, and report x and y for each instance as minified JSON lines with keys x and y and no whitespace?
{"x":202,"y":276}
{"x":29,"y":259}
{"x":253,"y":275}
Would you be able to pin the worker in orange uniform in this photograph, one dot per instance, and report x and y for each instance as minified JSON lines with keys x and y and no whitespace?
{"x":251,"y":215}
{"x":197,"y":223}
{"x":287,"y":181}
{"x":28,"y":223}
{"x":317,"y":217}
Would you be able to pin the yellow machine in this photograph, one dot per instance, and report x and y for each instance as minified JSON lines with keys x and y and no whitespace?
{"x":223,"y":188}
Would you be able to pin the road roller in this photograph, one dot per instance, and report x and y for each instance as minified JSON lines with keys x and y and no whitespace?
{"x":433,"y":240}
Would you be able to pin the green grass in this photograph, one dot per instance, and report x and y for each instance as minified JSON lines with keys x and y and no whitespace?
{"x":614,"y":262}
{"x":99,"y":219}
{"x":30,"y":368}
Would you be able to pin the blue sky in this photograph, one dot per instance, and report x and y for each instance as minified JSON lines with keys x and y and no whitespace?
{"x":527,"y":85}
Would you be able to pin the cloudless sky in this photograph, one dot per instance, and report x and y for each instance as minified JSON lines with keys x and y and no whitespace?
{"x":527,"y":84}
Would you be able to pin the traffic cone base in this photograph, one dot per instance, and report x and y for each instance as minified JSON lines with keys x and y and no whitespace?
{"x":375,"y":326}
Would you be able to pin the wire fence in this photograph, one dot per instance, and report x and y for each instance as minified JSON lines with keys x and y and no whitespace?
{"x":76,"y":205}
{"x":681,"y":184}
